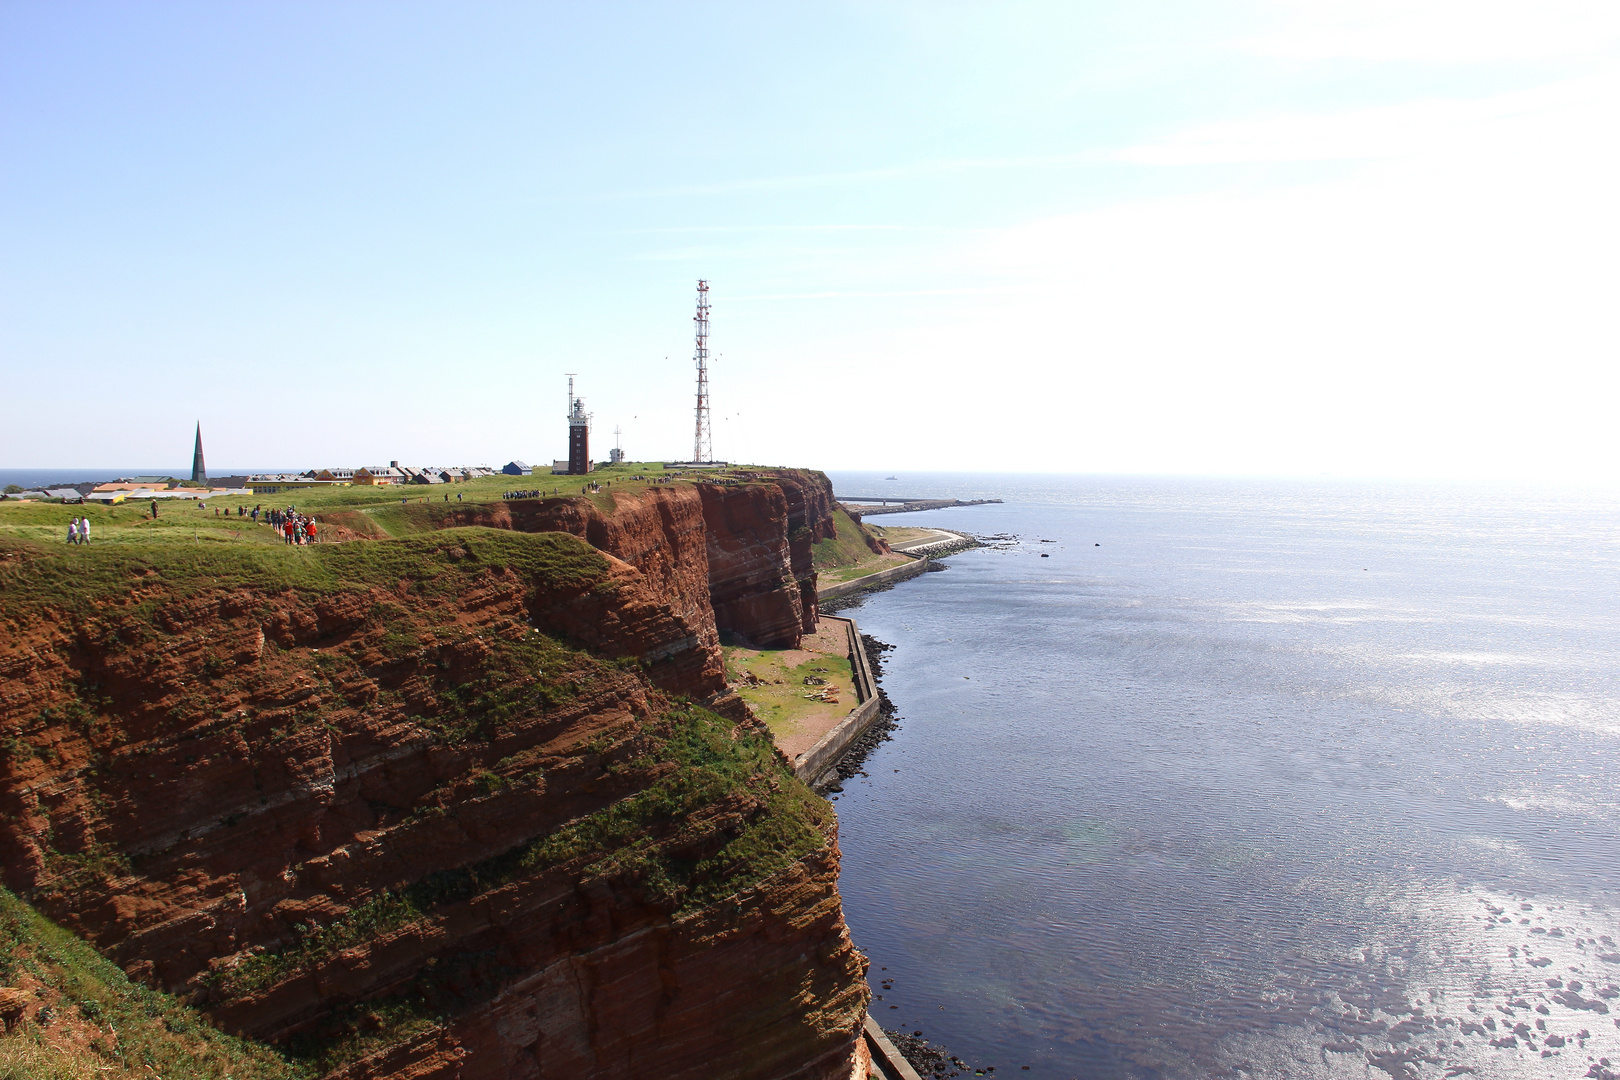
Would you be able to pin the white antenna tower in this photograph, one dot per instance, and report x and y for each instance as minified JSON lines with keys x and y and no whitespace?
{"x":702,"y":442}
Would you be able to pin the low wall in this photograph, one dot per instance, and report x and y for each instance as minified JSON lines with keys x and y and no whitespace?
{"x":825,"y":754}
{"x":882,"y":577}
{"x":885,"y":1057}
{"x":860,"y":664}
{"x":831,"y":746}
{"x":858,"y":511}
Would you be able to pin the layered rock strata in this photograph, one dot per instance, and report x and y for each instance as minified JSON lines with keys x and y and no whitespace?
{"x":731,"y":558}
{"x":427,"y":807}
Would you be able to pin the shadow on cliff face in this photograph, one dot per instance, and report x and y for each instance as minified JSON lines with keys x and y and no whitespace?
{"x":425,"y":807}
{"x":729,"y":557}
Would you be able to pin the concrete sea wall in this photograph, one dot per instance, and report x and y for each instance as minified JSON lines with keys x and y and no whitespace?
{"x":825,"y":753}
{"x":882,"y":577}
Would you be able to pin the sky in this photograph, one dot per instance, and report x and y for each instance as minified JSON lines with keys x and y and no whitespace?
{"x":1359,"y":238}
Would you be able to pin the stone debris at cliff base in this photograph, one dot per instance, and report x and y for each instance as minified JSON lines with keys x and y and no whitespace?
{"x":931,"y":1060}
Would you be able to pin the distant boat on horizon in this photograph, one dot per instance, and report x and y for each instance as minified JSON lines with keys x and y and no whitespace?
{"x":891,"y":478}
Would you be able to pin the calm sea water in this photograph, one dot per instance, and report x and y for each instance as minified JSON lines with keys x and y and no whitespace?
{"x":1249,"y":779}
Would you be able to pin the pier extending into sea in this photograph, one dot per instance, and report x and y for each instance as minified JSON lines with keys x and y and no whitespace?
{"x":893,"y":504}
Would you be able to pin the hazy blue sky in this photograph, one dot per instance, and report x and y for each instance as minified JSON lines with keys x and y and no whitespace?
{"x":1368,"y":237}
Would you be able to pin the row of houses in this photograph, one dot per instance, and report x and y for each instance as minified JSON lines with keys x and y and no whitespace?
{"x":395,"y":473}
{"x":66,"y":494}
{"x":167,"y":487}
{"x":135,"y":488}
{"x":378,"y":475}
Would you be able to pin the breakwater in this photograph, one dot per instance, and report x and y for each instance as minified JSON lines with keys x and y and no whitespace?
{"x":948,"y":544}
{"x":851,"y":505}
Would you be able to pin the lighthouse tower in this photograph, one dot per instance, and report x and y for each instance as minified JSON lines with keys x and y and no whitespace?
{"x":579,"y":434}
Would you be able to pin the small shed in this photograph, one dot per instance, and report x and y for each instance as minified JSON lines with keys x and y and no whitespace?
{"x":515,"y":468}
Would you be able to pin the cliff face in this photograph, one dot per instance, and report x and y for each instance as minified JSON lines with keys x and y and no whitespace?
{"x":660,"y":532}
{"x":810,"y":507}
{"x":731,"y":558}
{"x":377,"y":804}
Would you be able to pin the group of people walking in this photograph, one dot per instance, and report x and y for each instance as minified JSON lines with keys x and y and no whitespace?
{"x":294,"y":527}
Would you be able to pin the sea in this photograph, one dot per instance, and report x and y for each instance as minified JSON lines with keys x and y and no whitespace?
{"x":1244,"y":778}
{"x":52,"y":477}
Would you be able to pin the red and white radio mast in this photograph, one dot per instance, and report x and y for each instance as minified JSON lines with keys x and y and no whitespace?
{"x":702,"y":442}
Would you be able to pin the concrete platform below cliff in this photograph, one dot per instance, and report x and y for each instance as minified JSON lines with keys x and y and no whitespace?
{"x":813,"y":723}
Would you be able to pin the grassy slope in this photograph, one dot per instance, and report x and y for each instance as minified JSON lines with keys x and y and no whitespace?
{"x":99,"y":1024}
{"x":846,"y":555}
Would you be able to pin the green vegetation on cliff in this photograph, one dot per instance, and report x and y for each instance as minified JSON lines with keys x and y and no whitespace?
{"x":84,"y":1019}
{"x":591,"y":774}
{"x":849,"y":555}
{"x":652,"y":837}
{"x":439,"y":564}
{"x":787,"y":687}
{"x":365,"y":511}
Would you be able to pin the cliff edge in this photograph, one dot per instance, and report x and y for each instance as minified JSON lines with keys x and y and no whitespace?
{"x":446,"y":805}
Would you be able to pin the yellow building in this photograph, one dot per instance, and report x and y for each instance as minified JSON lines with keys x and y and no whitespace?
{"x":272,"y":484}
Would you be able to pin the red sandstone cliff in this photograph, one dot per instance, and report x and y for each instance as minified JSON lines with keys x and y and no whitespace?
{"x":732,"y":558}
{"x":423,"y":808}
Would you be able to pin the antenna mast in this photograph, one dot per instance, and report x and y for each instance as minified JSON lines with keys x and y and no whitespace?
{"x":702,"y":444}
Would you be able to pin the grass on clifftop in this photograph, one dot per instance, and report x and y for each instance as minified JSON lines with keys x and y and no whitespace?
{"x":85,"y":1019}
{"x":34,"y":578}
{"x":376,"y":512}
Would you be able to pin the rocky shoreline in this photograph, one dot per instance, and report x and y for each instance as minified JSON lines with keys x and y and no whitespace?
{"x":879,"y":732}
{"x":930,"y":1060}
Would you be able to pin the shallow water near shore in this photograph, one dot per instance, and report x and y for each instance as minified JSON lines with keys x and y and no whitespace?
{"x":1282,"y":779}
